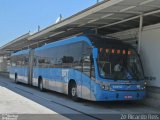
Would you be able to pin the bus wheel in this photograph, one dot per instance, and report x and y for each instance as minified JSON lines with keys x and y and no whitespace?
{"x":41,"y":84}
{"x":15,"y":79}
{"x":73,"y":91}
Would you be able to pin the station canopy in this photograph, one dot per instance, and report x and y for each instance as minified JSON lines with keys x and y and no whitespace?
{"x":106,"y":17}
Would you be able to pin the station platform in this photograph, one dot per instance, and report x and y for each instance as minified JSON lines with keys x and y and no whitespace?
{"x":27,"y":101}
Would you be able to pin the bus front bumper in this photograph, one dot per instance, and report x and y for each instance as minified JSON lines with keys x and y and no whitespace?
{"x":120,"y":95}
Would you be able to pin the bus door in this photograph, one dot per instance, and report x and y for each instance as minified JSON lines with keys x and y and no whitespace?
{"x":86,"y":82}
{"x":86,"y":72}
{"x":30,"y":67}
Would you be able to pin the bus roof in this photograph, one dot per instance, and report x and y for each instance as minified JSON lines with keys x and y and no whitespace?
{"x":92,"y":40}
{"x":67,"y":41}
{"x":22,"y":52}
{"x":103,"y":41}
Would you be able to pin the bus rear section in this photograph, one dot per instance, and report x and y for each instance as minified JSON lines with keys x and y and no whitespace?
{"x":21,"y":66}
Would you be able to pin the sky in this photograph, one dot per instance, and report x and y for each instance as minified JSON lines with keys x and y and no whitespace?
{"x":18,"y":17}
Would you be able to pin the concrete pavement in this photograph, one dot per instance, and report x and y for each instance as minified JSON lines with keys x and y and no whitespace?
{"x":24,"y":99}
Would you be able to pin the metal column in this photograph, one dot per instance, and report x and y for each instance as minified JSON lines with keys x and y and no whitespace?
{"x":140,"y":33}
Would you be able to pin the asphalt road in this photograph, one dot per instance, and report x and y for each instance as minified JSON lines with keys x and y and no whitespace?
{"x":20,"y":101}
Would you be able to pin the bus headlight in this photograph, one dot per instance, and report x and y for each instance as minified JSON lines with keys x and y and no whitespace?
{"x":141,"y":87}
{"x":145,"y":83}
{"x":105,"y":86}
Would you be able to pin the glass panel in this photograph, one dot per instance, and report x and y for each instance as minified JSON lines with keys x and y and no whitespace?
{"x":20,"y":60}
{"x":88,"y":65}
{"x":73,"y":56}
{"x":13,"y":61}
{"x":117,"y":63}
{"x":65,"y":56}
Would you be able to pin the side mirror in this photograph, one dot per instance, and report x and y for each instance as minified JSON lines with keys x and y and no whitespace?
{"x":95,"y":53}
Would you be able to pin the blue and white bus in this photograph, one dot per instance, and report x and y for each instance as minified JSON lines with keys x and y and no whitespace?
{"x":89,"y":67}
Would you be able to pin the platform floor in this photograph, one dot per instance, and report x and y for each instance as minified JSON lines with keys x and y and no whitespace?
{"x":28,"y":100}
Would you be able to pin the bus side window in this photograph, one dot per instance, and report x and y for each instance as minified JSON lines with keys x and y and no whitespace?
{"x":87,"y":60}
{"x":19,"y":60}
{"x":35,"y":61}
{"x":41,"y":62}
{"x":26,"y":60}
{"x":92,"y":69}
{"x":13,"y":61}
{"x":86,"y":65}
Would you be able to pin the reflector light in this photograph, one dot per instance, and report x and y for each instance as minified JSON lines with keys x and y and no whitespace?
{"x":101,"y":49}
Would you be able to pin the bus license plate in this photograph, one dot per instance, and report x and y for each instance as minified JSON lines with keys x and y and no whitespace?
{"x":128,"y":97}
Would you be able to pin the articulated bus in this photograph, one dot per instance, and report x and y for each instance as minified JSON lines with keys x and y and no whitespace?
{"x":89,"y":67}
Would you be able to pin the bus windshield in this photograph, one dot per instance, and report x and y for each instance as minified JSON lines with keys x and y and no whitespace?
{"x":119,"y":64}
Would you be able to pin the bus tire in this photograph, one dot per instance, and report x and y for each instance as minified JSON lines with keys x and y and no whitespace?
{"x":15,"y":79}
{"x":40,"y":84}
{"x":73,"y":91}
